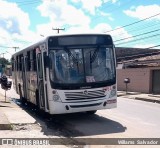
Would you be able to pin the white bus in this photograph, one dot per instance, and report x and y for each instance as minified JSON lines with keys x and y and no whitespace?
{"x":67,"y":73}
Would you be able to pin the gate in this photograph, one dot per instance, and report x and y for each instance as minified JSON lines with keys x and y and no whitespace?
{"x":156,"y":81}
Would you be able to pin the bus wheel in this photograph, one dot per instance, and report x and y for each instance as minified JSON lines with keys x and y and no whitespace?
{"x":20,"y":94}
{"x":91,"y":112}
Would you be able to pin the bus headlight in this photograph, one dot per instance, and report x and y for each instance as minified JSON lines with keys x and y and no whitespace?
{"x":113,"y":92}
{"x":56,"y":98}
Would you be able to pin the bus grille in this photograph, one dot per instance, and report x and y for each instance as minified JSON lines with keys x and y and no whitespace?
{"x":84,"y":95}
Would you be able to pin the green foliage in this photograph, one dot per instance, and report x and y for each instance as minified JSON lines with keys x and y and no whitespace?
{"x":4,"y":61}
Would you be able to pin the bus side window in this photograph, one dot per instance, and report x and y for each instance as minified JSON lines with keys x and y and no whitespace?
{"x":34,"y":61}
{"x":51,"y":65}
{"x":20,"y":62}
{"x":31,"y":61}
{"x":12,"y":64}
{"x":40,"y":72}
{"x":28,"y":61}
{"x":17,"y":62}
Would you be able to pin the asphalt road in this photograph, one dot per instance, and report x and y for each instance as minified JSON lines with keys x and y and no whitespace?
{"x":141,"y":119}
{"x":131,"y":119}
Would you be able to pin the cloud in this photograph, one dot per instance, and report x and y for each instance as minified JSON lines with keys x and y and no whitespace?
{"x":15,"y":22}
{"x":106,"y":15}
{"x":120,"y":34}
{"x":14,"y":27}
{"x":79,"y":29}
{"x":45,"y":29}
{"x":113,"y":1}
{"x":13,"y":18}
{"x":64,"y":14}
{"x":102,"y":28}
{"x":145,"y":45}
{"x":91,"y":5}
{"x":61,"y":13}
{"x":142,"y":12}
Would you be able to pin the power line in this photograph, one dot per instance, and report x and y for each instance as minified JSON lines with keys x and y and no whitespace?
{"x":133,"y":23}
{"x":149,"y":39}
{"x":139,"y":39}
{"x":142,"y":28}
{"x":153,"y":46}
{"x":137,"y":35}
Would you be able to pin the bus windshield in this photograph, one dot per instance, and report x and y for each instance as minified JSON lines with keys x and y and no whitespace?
{"x":82,"y":65}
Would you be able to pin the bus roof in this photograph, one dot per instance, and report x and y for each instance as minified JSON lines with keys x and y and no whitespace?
{"x":58,"y":35}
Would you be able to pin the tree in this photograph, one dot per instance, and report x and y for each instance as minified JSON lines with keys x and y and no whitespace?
{"x":4,"y":61}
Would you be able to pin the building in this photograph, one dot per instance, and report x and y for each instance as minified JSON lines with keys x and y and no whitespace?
{"x":143,"y":70}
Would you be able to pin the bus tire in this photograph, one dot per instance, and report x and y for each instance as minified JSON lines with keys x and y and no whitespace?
{"x":20,"y":95}
{"x":91,"y":112}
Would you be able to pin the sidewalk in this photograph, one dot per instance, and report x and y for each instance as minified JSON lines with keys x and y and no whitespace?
{"x":4,"y":122}
{"x":140,"y":96}
{"x":12,"y":114}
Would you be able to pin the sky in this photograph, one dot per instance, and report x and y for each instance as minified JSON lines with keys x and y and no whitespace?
{"x":131,"y":23}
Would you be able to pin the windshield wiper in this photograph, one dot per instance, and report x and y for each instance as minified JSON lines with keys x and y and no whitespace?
{"x":75,"y":60}
{"x":71,"y":55}
{"x":93,"y":57}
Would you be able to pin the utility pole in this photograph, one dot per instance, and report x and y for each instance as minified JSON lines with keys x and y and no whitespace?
{"x":58,"y":29}
{"x":15,"y":48}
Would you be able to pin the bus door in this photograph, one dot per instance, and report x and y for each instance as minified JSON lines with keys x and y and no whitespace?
{"x":40,"y":81}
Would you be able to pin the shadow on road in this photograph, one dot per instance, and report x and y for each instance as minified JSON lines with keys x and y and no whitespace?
{"x":74,"y":125}
{"x":82,"y":124}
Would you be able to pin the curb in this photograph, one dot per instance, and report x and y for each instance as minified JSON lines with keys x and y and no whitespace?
{"x":147,"y":100}
{"x":4,"y":122}
{"x":139,"y":98}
